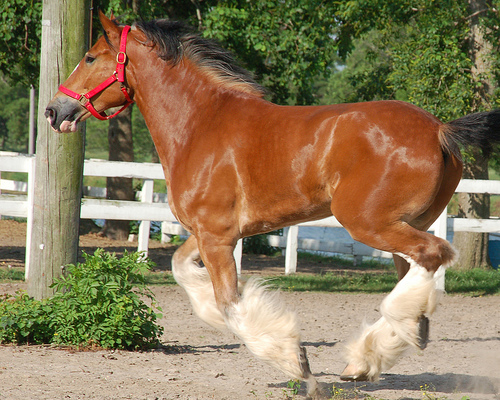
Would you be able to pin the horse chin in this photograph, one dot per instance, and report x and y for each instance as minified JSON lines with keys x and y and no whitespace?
{"x":68,"y":126}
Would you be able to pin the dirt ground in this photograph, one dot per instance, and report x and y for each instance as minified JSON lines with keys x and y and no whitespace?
{"x":198,"y":362}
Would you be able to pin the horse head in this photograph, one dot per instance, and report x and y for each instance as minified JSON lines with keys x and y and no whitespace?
{"x":98,"y":83}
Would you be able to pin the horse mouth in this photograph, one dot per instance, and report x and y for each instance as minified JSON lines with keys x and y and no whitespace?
{"x":64,"y":115}
{"x":67,"y":126}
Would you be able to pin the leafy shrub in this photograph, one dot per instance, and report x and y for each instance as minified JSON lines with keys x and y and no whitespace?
{"x":259,"y":244}
{"x":24,"y":320}
{"x":99,"y":302}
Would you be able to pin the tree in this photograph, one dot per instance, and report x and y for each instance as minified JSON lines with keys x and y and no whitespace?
{"x":13,"y":116}
{"x":474,"y":245}
{"x":362,"y":76}
{"x":20,"y":40}
{"x":286,"y":44}
{"x":20,"y":51}
{"x":59,"y":161}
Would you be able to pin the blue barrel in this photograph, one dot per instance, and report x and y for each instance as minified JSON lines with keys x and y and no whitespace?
{"x":494,"y":250}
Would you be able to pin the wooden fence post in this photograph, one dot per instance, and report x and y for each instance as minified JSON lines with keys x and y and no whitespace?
{"x":59,"y":160}
{"x":30,"y":191}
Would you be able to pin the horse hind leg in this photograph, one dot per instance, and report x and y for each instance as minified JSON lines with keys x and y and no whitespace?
{"x":403,"y":310}
{"x":402,"y":268}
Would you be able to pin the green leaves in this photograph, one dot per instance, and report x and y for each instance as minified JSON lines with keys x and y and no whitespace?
{"x":20,"y":31}
{"x":287,"y":44}
{"x":100,"y":302}
{"x":422,"y":53}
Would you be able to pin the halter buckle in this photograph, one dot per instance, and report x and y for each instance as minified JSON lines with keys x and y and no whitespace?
{"x":83,"y":100}
{"x":121,"y":57}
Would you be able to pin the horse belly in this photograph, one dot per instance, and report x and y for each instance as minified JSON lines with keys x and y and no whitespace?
{"x":265,"y":211}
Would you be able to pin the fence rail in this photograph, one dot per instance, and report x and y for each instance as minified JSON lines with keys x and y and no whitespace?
{"x":154,"y":207}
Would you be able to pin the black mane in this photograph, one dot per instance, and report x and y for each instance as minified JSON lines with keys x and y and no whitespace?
{"x":174,"y":40}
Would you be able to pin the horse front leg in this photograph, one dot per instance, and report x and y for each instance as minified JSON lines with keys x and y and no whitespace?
{"x":195,"y":280}
{"x":256,"y":315}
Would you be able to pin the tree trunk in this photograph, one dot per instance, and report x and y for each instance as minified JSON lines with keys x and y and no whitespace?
{"x":59,"y":157}
{"x":120,"y":149}
{"x":473,"y":247}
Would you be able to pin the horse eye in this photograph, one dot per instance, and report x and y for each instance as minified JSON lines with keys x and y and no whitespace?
{"x":89,"y":59}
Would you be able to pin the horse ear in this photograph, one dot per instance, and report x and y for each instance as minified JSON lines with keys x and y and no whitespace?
{"x":111,"y":29}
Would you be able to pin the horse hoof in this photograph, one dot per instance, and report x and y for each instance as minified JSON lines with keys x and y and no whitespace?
{"x":423,"y":332}
{"x":353,"y":374}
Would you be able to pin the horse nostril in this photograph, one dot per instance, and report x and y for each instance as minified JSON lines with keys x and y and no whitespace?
{"x":51,"y":115}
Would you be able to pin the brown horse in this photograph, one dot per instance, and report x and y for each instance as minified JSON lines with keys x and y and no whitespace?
{"x":237,"y":165}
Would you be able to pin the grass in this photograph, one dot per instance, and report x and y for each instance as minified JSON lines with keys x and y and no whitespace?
{"x":346,"y":262}
{"x":470,"y":283}
{"x":11,"y":274}
{"x":329,"y":282}
{"x":475,"y":282}
{"x":426,"y":391}
{"x":159,"y":278}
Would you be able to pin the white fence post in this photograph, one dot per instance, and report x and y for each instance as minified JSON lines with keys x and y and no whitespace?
{"x":292,"y":243}
{"x":145,"y":226}
{"x":238,"y":253}
{"x":441,"y":225}
{"x":169,"y":228}
{"x":441,"y":230}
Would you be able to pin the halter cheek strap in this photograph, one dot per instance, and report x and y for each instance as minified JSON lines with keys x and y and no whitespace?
{"x":117,"y":76}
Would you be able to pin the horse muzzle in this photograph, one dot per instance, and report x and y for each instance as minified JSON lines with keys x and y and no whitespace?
{"x":64,"y":114}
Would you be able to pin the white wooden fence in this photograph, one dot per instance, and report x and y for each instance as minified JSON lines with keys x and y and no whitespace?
{"x":153,"y":207}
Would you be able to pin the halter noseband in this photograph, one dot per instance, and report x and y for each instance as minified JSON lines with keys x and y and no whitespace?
{"x":117,"y":76}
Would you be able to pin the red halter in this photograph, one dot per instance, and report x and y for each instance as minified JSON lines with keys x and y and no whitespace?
{"x":117,"y":76}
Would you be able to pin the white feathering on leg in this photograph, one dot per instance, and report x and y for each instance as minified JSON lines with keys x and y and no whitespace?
{"x":382,"y":343}
{"x":195,"y":280}
{"x":268,"y":329}
{"x":377,"y":349}
{"x":413,"y":296}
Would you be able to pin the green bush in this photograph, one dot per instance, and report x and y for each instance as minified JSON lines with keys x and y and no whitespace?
{"x":259,"y":244}
{"x":24,"y":320}
{"x":99,"y":302}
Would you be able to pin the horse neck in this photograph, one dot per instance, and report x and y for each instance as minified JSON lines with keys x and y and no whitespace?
{"x":178,"y":104}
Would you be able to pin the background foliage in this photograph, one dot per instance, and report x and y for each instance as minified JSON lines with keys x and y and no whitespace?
{"x":303,"y":51}
{"x":20,"y":32}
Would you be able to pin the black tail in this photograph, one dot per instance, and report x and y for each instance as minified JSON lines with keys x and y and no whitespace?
{"x":481,"y":130}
